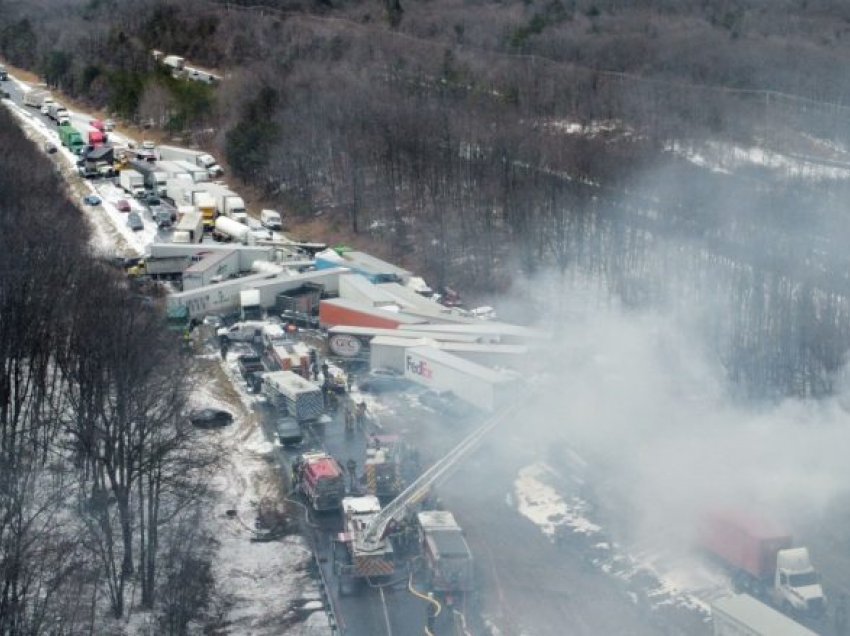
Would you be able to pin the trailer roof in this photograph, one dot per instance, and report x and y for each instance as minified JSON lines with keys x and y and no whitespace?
{"x":436,"y":519}
{"x":759,"y":617}
{"x":209,"y":260}
{"x":373,"y":264}
{"x":291,"y":381}
{"x":487,"y":328}
{"x":411,"y":333}
{"x":448,"y":543}
{"x":374,"y":311}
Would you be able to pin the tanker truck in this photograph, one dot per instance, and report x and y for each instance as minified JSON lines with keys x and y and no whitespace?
{"x":762,"y":561}
{"x":226,"y":229}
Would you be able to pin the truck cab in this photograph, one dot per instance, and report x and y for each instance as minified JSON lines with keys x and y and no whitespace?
{"x":797,"y":584}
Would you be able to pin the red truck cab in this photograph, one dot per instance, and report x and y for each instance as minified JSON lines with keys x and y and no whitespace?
{"x":319,"y":477}
{"x":96,"y":138}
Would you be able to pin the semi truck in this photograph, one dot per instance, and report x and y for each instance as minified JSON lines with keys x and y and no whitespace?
{"x":226,"y":229}
{"x":762,"y":560}
{"x":132,"y":182}
{"x":189,"y":229}
{"x":227,"y":202}
{"x":154,"y":179}
{"x":96,"y":138}
{"x":71,"y":139}
{"x":35,"y":98}
{"x":198,"y":174}
{"x":289,"y":392}
{"x":250,"y":307}
{"x":206,"y":206}
{"x":445,"y":554}
{"x":202,"y":159}
{"x":57,"y":111}
{"x":742,"y":615}
{"x":319,"y":478}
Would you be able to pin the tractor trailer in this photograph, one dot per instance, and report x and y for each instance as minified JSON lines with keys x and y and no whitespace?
{"x":35,"y":98}
{"x":71,"y":139}
{"x":227,"y":202}
{"x":131,"y":182}
{"x":227,"y":229}
{"x":202,"y":159}
{"x":742,"y":615}
{"x":762,"y":560}
{"x":288,"y":391}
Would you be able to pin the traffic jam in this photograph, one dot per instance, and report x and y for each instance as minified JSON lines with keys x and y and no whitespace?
{"x":378,"y":393}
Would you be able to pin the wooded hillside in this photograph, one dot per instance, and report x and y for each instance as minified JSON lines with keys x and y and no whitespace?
{"x":474,"y":140}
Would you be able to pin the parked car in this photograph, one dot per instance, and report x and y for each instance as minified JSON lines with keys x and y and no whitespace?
{"x":289,"y":431}
{"x":123,"y":205}
{"x":210,"y":418}
{"x":213,"y":320}
{"x":135,"y":222}
{"x":109,"y":125}
{"x":92,"y":199}
{"x":383,"y":381}
{"x":49,"y":148}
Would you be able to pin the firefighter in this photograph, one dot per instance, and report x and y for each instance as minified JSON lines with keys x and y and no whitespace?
{"x":361,"y":414}
{"x":351,"y":467}
{"x":349,"y":420}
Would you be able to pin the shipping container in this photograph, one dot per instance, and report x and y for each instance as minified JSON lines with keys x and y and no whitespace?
{"x":212,"y":268}
{"x":482,"y":387}
{"x":742,"y":615}
{"x":338,"y":311}
{"x":744,"y":542}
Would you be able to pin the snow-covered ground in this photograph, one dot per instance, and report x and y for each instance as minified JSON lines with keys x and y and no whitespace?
{"x":663,"y":579}
{"x":267,"y":584}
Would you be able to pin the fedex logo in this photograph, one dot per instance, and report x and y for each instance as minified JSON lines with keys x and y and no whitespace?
{"x":420,"y":368}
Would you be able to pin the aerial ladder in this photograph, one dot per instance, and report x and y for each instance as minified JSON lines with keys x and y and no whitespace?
{"x":368,"y":552}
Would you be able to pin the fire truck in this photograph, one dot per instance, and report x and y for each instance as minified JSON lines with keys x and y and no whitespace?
{"x":318,"y":476}
{"x":389,"y":466}
{"x":446,"y":555}
{"x":353,"y":559}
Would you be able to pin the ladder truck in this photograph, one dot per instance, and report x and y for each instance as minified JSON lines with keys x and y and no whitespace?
{"x":363,"y":550}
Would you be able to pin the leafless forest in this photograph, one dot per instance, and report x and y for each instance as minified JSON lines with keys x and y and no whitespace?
{"x":97,"y":490}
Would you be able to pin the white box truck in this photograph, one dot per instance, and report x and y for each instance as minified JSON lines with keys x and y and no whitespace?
{"x":132,"y":182}
{"x":35,"y":97}
{"x":271,"y":219}
{"x":189,"y":229}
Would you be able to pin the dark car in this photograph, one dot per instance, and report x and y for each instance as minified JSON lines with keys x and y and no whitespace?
{"x":383,"y":381}
{"x":288,"y":431}
{"x":49,"y":148}
{"x":123,"y":205}
{"x":210,"y":418}
{"x":135,"y":221}
{"x":92,"y":199}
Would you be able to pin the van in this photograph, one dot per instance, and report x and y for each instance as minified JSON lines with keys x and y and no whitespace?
{"x":247,"y":331}
{"x":271,"y":219}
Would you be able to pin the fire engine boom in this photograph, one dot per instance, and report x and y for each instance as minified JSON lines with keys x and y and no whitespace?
{"x":371,"y":536}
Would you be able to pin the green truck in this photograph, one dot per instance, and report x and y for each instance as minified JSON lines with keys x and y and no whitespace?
{"x":71,"y":139}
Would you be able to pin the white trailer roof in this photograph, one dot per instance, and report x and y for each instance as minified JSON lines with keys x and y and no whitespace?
{"x":208,"y":261}
{"x":397,"y":333}
{"x":436,"y":519}
{"x":289,"y":381}
{"x":356,"y":287}
{"x":757,"y":616}
{"x":374,"y":265}
{"x":367,"y":504}
{"x":459,"y":364}
{"x":487,"y":328}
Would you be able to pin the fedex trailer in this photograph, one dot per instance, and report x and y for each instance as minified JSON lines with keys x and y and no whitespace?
{"x":482,"y":387}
